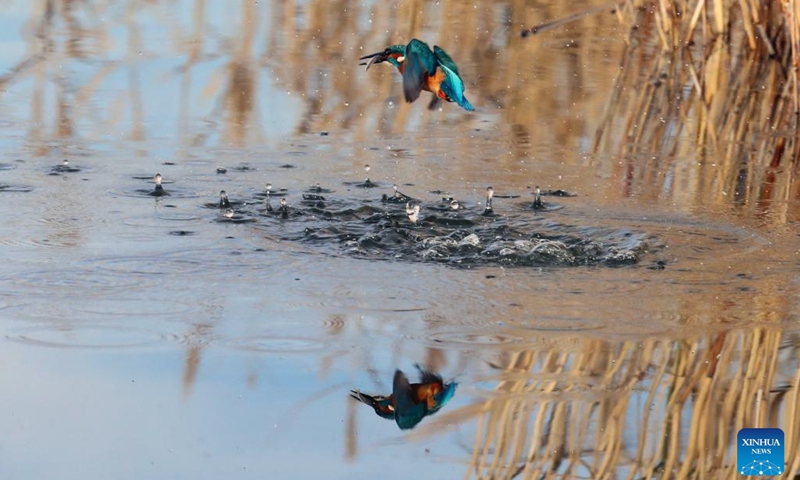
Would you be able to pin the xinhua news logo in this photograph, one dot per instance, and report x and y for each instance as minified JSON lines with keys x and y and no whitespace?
{"x":760,"y":451}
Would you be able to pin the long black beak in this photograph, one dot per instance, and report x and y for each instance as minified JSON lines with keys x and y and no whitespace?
{"x":371,"y":55}
{"x":373,"y":58}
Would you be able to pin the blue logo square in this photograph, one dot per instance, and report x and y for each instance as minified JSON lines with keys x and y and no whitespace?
{"x":759,"y":451}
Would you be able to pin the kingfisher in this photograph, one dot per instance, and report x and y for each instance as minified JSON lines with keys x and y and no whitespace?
{"x":424,"y":69}
{"x":409,"y":402}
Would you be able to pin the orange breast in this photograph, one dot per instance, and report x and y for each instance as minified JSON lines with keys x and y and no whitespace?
{"x":425,"y":392}
{"x":434,"y":82}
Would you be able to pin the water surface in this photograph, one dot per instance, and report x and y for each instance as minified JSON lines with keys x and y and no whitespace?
{"x":151,"y":337}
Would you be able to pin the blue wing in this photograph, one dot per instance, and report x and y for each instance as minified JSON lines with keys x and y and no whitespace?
{"x":445,"y":59}
{"x":420,"y":63}
{"x":407,"y":412}
{"x":453,"y":87}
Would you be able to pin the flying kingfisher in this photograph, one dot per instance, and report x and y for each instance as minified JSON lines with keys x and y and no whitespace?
{"x":409,"y":402}
{"x":424,"y":69}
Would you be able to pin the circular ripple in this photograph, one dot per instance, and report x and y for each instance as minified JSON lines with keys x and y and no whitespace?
{"x":148,"y":193}
{"x":58,"y":241}
{"x":75,"y":281}
{"x":334,"y":323}
{"x":577,"y":326}
{"x":100,"y":309}
{"x":274,"y":344}
{"x":63,"y":228}
{"x":144,"y":222}
{"x":319,"y":301}
{"x":149,"y":178}
{"x":136,"y":307}
{"x":205,"y":263}
{"x":197,"y":163}
{"x":177,"y":217}
{"x":473,"y":339}
{"x":314,"y":293}
{"x":6,"y":188}
{"x":60,"y":233}
{"x":89,"y":337}
{"x":149,"y":265}
{"x":546,"y":207}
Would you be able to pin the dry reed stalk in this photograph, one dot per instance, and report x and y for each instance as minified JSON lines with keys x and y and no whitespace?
{"x":664,"y":27}
{"x":743,"y":100}
{"x":793,"y":427}
{"x":719,"y":16}
{"x":795,"y":38}
{"x":747,"y":23}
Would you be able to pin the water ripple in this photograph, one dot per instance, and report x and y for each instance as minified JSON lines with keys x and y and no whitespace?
{"x":190,"y":261}
{"x":8,"y":188}
{"x":72,"y":282}
{"x":473,"y":339}
{"x":89,"y":337}
{"x":273,"y":344}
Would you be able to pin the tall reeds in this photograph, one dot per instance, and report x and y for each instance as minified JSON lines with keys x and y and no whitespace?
{"x":726,"y":70}
{"x":720,"y":87}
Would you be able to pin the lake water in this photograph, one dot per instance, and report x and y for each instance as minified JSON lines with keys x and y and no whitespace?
{"x":151,"y":337}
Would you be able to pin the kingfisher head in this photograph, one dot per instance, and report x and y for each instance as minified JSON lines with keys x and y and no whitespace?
{"x":393,"y":54}
{"x":452,"y":89}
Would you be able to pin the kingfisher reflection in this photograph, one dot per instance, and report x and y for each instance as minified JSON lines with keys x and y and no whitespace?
{"x":409,"y":402}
